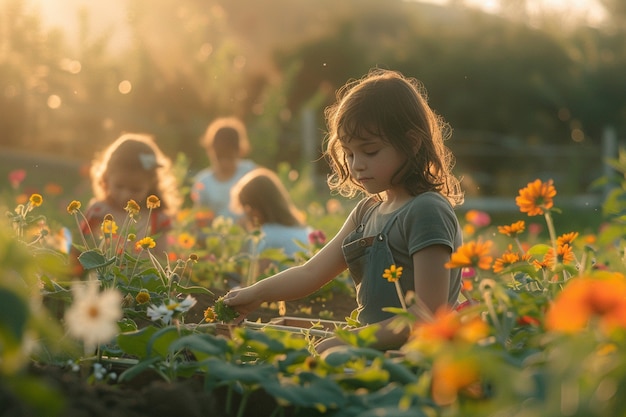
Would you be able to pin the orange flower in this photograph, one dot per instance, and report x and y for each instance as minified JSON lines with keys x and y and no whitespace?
{"x":536,"y":198}
{"x":204,"y":218}
{"x":514,"y":229}
{"x":566,"y":238}
{"x":478,"y":218}
{"x":564,"y":255}
{"x":153,"y":202}
{"x":451,"y":375}
{"x":541,"y":264}
{"x":186,"y":240}
{"x":393,"y":273}
{"x":467,"y":284}
{"x":507,"y":259}
{"x":588,"y":300}
{"x":472,"y":254}
{"x":447,"y":326}
{"x":53,"y":188}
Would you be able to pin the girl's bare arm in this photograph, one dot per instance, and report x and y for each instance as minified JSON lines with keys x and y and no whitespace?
{"x":295,"y":282}
{"x":432,"y":282}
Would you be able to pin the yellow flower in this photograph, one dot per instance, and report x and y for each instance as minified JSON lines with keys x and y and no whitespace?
{"x":132,"y":207}
{"x":536,"y":197}
{"x":109,"y":227}
{"x":153,"y":202}
{"x":209,"y":315}
{"x":35,"y":200}
{"x":472,"y":254}
{"x":514,"y":229}
{"x":393,"y":273}
{"x":73,"y":207}
{"x":142,"y":297}
{"x":145,"y":243}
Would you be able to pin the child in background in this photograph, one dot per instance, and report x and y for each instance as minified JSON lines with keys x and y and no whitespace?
{"x":386,"y":142}
{"x":133,"y":168}
{"x":267,"y":206}
{"x":226,"y":144}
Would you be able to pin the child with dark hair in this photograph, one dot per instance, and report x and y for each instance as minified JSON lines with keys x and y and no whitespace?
{"x":226,"y":144}
{"x":267,"y":207}
{"x":385,"y":142}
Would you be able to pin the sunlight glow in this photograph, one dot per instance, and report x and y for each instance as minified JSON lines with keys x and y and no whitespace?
{"x":588,"y":11}
{"x":125,"y":87}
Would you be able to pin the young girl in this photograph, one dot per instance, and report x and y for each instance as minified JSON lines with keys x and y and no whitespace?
{"x":133,"y":168}
{"x":226,"y":144}
{"x":384,"y":141}
{"x":266,"y":205}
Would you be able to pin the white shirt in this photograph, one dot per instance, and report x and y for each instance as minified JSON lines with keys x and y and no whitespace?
{"x":213,"y":194}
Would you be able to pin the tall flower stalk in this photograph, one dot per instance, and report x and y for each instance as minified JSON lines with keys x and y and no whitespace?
{"x":74,"y":209}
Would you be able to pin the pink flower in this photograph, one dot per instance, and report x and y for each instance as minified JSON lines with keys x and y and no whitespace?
{"x":534,"y":229}
{"x":468,"y":272}
{"x":16,"y":177}
{"x":478,"y":218}
{"x":317,"y":237}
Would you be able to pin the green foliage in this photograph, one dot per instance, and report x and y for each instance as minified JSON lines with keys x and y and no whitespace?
{"x":483,"y":73}
{"x":223,"y":312}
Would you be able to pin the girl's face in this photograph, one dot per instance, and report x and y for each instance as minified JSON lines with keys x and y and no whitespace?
{"x":122,"y":186}
{"x":373,"y":162}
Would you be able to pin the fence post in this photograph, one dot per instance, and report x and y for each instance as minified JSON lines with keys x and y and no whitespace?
{"x":609,"y":151}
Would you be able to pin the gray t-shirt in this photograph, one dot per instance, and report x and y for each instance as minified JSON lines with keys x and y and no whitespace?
{"x":426,"y":220}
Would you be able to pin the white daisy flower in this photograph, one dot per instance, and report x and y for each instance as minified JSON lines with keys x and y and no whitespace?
{"x":165,"y":312}
{"x":93,"y":315}
{"x":161,"y":312}
{"x":186,"y":304}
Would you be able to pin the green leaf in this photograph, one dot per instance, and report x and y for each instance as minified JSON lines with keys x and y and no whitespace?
{"x":13,"y":315}
{"x":92,"y":259}
{"x":148,"y":342}
{"x":203,"y":345}
{"x":219,"y":370}
{"x":313,"y":392}
{"x":342,"y":356}
{"x":191,"y":290}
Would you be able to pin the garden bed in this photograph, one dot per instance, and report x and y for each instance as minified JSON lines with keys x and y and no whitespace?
{"x":149,"y":395}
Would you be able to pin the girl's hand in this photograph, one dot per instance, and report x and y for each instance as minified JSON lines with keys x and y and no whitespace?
{"x":243,"y":300}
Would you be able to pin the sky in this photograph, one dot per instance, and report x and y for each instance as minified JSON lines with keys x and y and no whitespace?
{"x":589,"y":10}
{"x":111,"y":14}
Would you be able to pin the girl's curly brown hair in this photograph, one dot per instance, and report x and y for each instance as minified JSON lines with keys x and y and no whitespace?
{"x":386,"y":104}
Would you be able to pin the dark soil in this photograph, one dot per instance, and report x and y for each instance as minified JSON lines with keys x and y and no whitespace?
{"x":147,"y":395}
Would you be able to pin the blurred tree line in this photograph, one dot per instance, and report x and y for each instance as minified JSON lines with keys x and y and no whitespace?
{"x":277,"y":63}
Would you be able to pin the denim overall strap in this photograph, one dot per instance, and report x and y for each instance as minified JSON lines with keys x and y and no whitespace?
{"x":367,"y":259}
